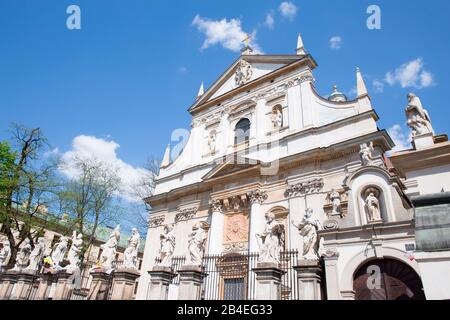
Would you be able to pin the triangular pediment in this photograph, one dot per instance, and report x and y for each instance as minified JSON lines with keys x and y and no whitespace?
{"x":231,"y":166}
{"x":259,"y":66}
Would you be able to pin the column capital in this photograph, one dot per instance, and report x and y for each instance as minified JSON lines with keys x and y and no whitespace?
{"x":215,"y":205}
{"x":257,"y":196}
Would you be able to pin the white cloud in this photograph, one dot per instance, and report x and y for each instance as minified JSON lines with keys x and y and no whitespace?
{"x":378,"y":85}
{"x":335,"y":43}
{"x":270,"y":21}
{"x":288,"y":10}
{"x":410,"y":74}
{"x":182,"y":69}
{"x":227,"y":33}
{"x":89,"y":147}
{"x":401,"y":140}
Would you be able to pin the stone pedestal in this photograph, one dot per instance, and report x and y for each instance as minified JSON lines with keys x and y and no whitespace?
{"x":268,"y":281}
{"x":63,"y":286}
{"x":160,"y":279}
{"x":423,"y":141}
{"x":123,"y":283}
{"x":191,"y":280}
{"x":46,"y":281}
{"x":100,"y":285}
{"x":7,"y":281}
{"x":309,"y":277}
{"x":22,"y":287}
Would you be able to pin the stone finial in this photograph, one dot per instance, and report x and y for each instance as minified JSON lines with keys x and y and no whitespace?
{"x":201,"y":91}
{"x":361,"y":89}
{"x":166,"y":160}
{"x":300,"y":48}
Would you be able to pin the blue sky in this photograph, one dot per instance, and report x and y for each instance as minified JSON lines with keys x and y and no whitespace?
{"x":125,"y":80}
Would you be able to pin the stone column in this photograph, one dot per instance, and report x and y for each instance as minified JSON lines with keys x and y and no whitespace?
{"x":99,"y":285}
{"x":22,"y":287}
{"x":160,"y":279}
{"x":63,"y":286}
{"x":268,"y":281}
{"x":309,"y":273}
{"x":191,"y":280}
{"x":123,"y":283}
{"x":331,"y":274}
{"x":216,"y":230}
{"x":257,"y":222}
{"x":45,"y":284}
{"x":7,"y":281}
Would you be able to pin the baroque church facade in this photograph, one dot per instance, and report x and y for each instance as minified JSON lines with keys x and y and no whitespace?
{"x":281,"y":193}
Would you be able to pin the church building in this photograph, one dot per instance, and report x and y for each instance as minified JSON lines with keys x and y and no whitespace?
{"x":280,"y":193}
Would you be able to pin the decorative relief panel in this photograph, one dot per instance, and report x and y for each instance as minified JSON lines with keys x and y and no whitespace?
{"x":235,"y":228}
{"x":156,"y":221}
{"x":302,"y":188}
{"x":185,"y":214}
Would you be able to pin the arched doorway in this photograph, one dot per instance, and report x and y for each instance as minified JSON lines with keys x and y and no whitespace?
{"x":387,"y":279}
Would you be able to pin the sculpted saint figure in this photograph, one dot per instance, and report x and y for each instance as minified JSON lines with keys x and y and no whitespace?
{"x":365,"y":153}
{"x":167,"y":246}
{"x":36,"y":255}
{"x":212,"y":142}
{"x":308,"y":228}
{"x":59,"y":251}
{"x":5,"y":254}
{"x":196,"y":243}
{"x":271,"y":240}
{"x":109,"y":248}
{"x":74,"y":252}
{"x":335,"y":199}
{"x":131,"y":252}
{"x":417,"y":117}
{"x":372,"y":206}
{"x":277,"y":118}
{"x":23,"y":257}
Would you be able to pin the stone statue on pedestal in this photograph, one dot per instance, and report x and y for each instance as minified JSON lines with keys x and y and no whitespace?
{"x":131,"y":252}
{"x":417,"y":117}
{"x":59,"y":252}
{"x":109,"y":248}
{"x":365,"y":154}
{"x":335,"y":199}
{"x":308,"y":228}
{"x":74,"y":252}
{"x":23,"y":257}
{"x":36,"y":255}
{"x":196,"y":243}
{"x":212,"y":142}
{"x":271,"y":240}
{"x":5,"y":254}
{"x":372,"y":206}
{"x":167,"y":246}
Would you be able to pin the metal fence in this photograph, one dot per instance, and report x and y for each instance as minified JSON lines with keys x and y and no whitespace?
{"x":231,"y":277}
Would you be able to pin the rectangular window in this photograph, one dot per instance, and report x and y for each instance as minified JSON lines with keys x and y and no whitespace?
{"x":233,"y":289}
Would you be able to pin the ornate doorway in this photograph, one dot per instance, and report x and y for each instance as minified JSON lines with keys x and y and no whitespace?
{"x":387,"y":279}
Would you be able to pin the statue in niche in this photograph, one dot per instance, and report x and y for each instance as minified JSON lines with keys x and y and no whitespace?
{"x":417,"y":117}
{"x":108,"y":256}
{"x":243,"y":73}
{"x":308,"y":228}
{"x":23,"y":257}
{"x":365,"y":153}
{"x":372,"y":207}
{"x":36,"y":255}
{"x":212,"y":141}
{"x":59,"y":252}
{"x":74,"y":252}
{"x":277,"y":117}
{"x":196,"y":243}
{"x":5,"y":254}
{"x":131,"y":252}
{"x":271,"y":240}
{"x":335,"y":199}
{"x":167,"y":246}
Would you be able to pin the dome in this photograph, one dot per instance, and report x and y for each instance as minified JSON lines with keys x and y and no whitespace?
{"x":337,"y":96}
